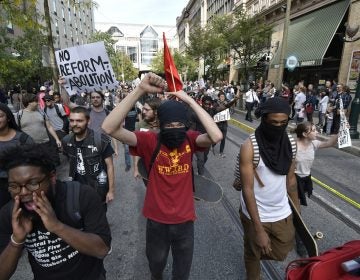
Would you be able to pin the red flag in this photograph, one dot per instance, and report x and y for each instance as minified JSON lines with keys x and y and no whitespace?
{"x":171,"y":74}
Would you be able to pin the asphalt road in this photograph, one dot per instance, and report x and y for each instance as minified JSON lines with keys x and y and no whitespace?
{"x":218,"y":237}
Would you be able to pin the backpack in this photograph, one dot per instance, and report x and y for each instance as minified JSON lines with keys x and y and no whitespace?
{"x":327,"y":265}
{"x":256,"y":159}
{"x":73,"y":202}
{"x":61,"y":116}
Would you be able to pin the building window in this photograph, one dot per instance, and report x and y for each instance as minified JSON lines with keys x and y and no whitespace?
{"x":146,"y":58}
{"x":54,"y":6}
{"x":57,"y":26}
{"x":132,"y":53}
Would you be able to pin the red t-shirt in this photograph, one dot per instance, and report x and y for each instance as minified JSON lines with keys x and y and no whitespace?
{"x":169,"y":194}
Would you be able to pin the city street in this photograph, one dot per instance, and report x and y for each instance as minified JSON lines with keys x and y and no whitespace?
{"x":218,"y":232}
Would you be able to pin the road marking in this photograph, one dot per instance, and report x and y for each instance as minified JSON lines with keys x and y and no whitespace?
{"x":250,"y":129}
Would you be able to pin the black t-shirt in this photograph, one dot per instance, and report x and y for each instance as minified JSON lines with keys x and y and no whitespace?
{"x":49,"y":256}
{"x":130,"y":120}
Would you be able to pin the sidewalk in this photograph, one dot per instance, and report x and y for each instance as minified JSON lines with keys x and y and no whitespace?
{"x":354,"y":149}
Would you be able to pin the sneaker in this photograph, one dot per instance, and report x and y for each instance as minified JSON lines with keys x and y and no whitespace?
{"x":222,"y":155}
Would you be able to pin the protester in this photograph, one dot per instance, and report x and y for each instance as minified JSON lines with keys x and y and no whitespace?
{"x":98,"y":114}
{"x":34,"y":122}
{"x":223,"y":125}
{"x":10,"y":136}
{"x":197,"y":125}
{"x":307,"y":144}
{"x":265,"y":211}
{"x":149,"y":121}
{"x":169,"y":203}
{"x":90,"y":155}
{"x":57,"y":116}
{"x":250,"y":101}
{"x":36,"y":220}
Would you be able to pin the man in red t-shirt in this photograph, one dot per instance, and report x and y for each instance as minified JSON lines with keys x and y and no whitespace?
{"x":169,"y":204}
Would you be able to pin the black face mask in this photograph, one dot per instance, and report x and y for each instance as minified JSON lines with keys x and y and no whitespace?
{"x":172,"y":137}
{"x":271,"y":132}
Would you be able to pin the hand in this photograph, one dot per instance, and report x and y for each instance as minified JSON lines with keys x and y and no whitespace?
{"x":152,"y":83}
{"x":110,"y":197}
{"x":182,"y":95}
{"x":21,"y":225}
{"x":58,"y":143}
{"x":116,"y":153}
{"x":46,"y":212}
{"x":263,"y":241}
{"x":137,"y":174}
{"x":61,"y":81}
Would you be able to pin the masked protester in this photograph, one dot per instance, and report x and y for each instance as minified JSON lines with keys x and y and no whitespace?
{"x":268,"y":230}
{"x":169,"y":203}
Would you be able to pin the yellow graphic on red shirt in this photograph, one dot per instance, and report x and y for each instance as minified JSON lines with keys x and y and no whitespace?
{"x":173,"y":158}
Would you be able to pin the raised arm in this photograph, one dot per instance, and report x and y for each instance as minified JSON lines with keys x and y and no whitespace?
{"x":213,"y":134}
{"x":112,"y":124}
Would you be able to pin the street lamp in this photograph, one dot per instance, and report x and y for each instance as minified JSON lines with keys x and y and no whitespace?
{"x":355,"y":105}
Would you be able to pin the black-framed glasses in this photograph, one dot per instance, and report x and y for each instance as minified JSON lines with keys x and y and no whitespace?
{"x":31,"y":186}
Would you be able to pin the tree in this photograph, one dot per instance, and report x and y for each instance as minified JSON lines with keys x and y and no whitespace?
{"x":122,"y":65}
{"x":247,"y":37}
{"x":120,"y":61}
{"x":206,"y":44}
{"x":186,"y":66}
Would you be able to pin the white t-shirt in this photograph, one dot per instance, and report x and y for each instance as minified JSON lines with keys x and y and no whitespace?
{"x":271,"y":199}
{"x":305,"y":158}
{"x":251,"y":96}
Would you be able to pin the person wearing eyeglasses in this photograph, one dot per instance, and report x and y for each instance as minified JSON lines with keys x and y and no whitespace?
{"x":37,"y":220}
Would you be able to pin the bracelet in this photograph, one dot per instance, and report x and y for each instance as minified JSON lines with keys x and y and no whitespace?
{"x":13,"y":242}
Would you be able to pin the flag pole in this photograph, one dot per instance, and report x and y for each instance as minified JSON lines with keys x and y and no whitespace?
{"x":172,"y":77}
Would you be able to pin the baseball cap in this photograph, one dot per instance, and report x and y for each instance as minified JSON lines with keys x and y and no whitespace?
{"x":48,"y":97}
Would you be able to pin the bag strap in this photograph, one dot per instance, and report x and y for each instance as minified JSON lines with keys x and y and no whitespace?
{"x":256,"y":155}
{"x":73,"y":201}
{"x":155,"y":153}
{"x":293,"y":145}
{"x":19,"y":116}
{"x":23,"y":138}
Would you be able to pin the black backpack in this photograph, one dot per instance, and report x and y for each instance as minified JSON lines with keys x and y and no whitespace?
{"x":73,"y":202}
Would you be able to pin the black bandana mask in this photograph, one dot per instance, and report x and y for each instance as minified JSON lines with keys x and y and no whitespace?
{"x":172,"y":137}
{"x":272,"y":133}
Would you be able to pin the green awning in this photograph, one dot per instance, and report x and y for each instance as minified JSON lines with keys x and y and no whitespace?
{"x":309,"y":36}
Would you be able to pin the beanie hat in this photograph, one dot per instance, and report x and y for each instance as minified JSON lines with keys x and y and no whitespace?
{"x":172,"y":111}
{"x":273,"y":105}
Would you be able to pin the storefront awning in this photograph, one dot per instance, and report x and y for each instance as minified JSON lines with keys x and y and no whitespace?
{"x":309,"y":36}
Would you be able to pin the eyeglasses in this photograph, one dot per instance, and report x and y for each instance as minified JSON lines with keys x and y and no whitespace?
{"x":32,"y":186}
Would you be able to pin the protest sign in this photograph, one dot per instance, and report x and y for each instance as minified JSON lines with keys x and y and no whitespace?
{"x":86,"y":68}
{"x":344,"y":139}
{"x":222,"y":116}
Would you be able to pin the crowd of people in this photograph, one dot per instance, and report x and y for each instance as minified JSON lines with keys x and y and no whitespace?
{"x":63,"y":224}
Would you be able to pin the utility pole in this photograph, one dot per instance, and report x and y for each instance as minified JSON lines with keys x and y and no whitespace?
{"x":283,"y":47}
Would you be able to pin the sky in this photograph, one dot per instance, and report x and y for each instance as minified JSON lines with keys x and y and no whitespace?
{"x":155,"y":12}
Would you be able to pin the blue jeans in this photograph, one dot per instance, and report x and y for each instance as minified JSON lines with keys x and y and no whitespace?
{"x":127,"y":155}
{"x":159,"y":238}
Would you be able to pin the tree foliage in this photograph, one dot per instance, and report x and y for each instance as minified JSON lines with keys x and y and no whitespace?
{"x":185,"y":64}
{"x":120,"y":61}
{"x":206,"y":44}
{"x":247,"y":37}
{"x":238,"y":35}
